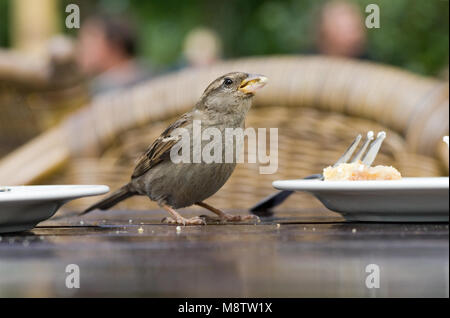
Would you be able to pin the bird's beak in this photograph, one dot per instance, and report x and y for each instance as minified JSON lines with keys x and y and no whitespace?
{"x":252,"y":83}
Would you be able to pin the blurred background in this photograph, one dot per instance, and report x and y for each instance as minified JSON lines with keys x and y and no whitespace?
{"x":414,"y":33}
{"x":78,"y":105}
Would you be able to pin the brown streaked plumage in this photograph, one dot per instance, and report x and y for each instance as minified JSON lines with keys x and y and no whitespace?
{"x":224,"y":104}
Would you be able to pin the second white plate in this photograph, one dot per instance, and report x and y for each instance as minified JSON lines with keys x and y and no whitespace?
{"x":406,"y":200}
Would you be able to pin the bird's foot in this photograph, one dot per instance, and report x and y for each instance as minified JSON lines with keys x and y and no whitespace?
{"x":176,"y":218}
{"x":183,"y":221}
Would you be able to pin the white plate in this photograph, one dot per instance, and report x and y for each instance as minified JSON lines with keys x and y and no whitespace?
{"x":406,"y":200}
{"x":22,"y":207}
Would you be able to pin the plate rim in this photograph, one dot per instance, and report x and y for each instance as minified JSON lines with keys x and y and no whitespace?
{"x":357,"y":186}
{"x":55,"y":192}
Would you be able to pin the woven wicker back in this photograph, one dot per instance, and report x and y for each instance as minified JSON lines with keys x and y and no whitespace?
{"x":400,"y":100}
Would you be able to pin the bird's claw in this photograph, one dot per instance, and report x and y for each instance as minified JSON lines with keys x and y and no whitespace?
{"x":183,"y":221}
{"x":203,"y":219}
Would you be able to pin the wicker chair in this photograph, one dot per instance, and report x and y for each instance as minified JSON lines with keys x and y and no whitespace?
{"x":36,"y":92}
{"x":317,"y":103}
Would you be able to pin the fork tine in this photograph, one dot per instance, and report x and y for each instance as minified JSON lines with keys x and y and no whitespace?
{"x":349,"y":152}
{"x":371,"y":154}
{"x":363,"y":149}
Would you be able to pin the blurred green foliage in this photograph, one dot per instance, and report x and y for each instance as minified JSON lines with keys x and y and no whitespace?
{"x":4,"y":22}
{"x":413,"y":33}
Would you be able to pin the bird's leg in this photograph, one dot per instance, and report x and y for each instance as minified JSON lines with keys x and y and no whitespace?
{"x":176,"y":218}
{"x":225,"y":216}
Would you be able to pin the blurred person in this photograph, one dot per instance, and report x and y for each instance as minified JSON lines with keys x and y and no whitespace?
{"x":107,"y":53}
{"x":202,"y":47}
{"x":341,"y":30}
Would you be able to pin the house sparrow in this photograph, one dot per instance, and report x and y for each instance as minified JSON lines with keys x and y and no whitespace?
{"x":224,"y":104}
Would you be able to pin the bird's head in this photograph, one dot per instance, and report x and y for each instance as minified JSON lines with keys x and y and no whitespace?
{"x":232,"y":90}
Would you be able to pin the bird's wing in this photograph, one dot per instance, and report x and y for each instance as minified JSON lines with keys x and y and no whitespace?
{"x":160,"y":147}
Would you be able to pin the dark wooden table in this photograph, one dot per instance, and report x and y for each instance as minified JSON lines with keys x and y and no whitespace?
{"x":303,"y":253}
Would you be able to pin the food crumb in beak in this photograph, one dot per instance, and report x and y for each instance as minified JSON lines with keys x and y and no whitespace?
{"x":253,"y":83}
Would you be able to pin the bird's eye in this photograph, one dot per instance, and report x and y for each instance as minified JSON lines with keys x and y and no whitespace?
{"x":227,"y":81}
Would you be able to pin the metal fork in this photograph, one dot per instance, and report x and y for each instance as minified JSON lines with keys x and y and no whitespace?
{"x":367,"y":154}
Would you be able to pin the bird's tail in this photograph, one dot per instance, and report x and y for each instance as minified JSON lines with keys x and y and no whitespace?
{"x":123,"y":193}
